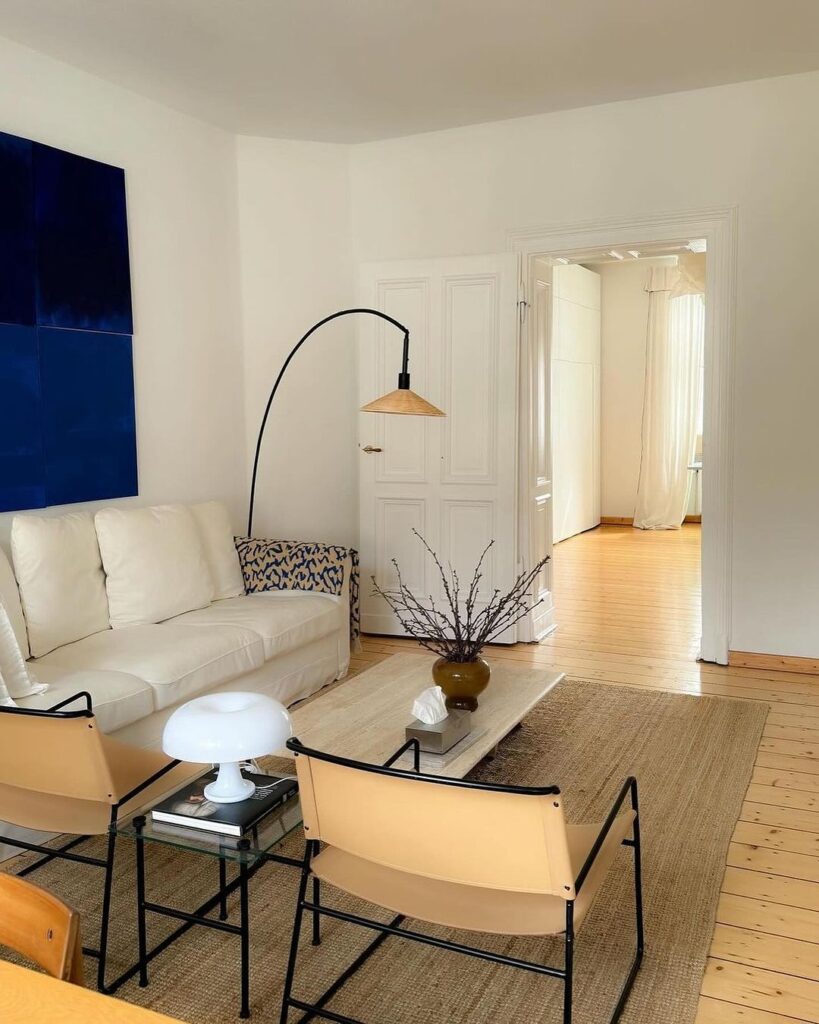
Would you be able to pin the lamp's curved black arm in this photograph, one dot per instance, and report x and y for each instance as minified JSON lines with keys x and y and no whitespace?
{"x":403,"y":383}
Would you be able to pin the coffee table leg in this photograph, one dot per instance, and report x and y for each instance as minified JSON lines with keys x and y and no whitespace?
{"x":139,"y":824}
{"x":222,"y":883}
{"x":244,"y":924}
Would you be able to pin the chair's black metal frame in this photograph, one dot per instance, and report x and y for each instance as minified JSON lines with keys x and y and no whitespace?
{"x":317,"y":909}
{"x":51,"y":853}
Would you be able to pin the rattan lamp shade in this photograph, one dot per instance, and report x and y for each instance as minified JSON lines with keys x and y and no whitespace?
{"x":403,"y":402}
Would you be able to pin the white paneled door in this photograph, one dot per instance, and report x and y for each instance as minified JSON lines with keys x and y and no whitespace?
{"x":535,"y":449}
{"x":453,"y":480}
{"x":575,"y":389}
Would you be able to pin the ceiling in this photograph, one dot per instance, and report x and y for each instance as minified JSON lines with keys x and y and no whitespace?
{"x":354,"y":70}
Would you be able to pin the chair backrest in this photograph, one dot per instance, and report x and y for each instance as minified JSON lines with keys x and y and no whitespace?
{"x":58,"y":754}
{"x":38,"y":926}
{"x":506,"y":838}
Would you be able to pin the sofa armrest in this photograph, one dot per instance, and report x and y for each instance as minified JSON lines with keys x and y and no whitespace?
{"x":302,"y":565}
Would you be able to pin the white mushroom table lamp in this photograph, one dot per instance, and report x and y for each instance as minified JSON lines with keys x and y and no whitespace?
{"x":226,"y":729}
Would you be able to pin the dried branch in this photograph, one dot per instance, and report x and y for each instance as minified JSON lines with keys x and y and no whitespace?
{"x":462,"y":629}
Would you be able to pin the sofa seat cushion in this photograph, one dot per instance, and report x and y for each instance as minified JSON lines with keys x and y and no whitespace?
{"x":284,"y":619}
{"x":177,"y":661}
{"x":118,"y":698}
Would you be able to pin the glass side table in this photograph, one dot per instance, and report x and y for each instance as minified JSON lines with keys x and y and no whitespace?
{"x":249,"y":854}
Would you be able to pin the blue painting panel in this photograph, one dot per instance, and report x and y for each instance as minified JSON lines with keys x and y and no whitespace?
{"x":89,"y":427}
{"x":83,"y":270}
{"x":22,"y":468}
{"x":16,"y":231}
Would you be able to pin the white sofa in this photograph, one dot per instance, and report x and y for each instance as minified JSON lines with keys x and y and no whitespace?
{"x":88,"y":598}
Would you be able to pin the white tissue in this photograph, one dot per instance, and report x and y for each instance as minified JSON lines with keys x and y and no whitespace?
{"x":429,"y":706}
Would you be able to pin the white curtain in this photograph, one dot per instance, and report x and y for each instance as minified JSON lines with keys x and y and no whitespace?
{"x":672,"y":397}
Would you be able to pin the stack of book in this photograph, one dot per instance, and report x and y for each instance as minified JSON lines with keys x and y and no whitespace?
{"x":189,"y":811}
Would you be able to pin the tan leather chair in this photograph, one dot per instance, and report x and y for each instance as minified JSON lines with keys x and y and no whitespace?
{"x":466,"y":855}
{"x":60,"y":773}
{"x":41,"y":928}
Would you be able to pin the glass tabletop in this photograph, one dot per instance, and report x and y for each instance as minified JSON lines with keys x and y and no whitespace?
{"x":257,"y":844}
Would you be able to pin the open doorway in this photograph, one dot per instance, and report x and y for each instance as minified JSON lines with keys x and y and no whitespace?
{"x":619,"y":343}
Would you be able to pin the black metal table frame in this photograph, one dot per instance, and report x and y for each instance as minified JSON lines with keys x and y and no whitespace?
{"x":198,"y":916}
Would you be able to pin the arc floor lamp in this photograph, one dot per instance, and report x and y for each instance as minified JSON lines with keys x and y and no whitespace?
{"x":401,"y":402}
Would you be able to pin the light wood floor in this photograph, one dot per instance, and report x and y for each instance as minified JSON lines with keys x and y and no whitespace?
{"x":628,"y":607}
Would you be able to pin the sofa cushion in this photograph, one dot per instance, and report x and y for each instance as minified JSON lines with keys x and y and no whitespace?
{"x":284,"y":619}
{"x":17,"y":679}
{"x":5,"y":696}
{"x":10,"y":600}
{"x":59,"y":571}
{"x":118,"y":698}
{"x":177,"y":661}
{"x":154,"y":562}
{"x":220,"y":550}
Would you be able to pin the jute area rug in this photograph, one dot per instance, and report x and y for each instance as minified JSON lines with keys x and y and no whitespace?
{"x":693,"y":758}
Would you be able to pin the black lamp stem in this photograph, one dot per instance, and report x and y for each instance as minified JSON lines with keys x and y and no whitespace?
{"x":403,"y":384}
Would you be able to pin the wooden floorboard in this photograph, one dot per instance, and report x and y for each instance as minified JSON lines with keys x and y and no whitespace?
{"x":628,"y":607}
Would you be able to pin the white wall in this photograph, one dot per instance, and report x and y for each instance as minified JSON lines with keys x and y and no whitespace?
{"x":294,"y":214}
{"x":753,"y":145}
{"x":624,"y":302}
{"x":181,"y":192}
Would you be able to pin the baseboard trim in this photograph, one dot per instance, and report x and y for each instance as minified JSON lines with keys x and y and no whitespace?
{"x":629,"y":520}
{"x":774,"y":662}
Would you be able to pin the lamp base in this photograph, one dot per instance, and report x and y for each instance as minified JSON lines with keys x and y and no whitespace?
{"x":229,"y":786}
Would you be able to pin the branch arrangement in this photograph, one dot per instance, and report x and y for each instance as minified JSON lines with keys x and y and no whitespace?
{"x":461,"y":629}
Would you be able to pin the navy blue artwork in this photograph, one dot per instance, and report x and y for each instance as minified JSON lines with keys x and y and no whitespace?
{"x":22,"y":469}
{"x":17,"y":267}
{"x":83,"y":273}
{"x":67,"y":424}
{"x":89,"y":432}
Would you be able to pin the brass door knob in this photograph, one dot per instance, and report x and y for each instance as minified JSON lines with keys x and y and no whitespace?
{"x":370,"y":450}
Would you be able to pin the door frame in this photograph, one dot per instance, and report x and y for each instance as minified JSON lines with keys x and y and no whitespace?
{"x":718,"y":226}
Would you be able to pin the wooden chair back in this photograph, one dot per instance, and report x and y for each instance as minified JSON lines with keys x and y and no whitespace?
{"x":41,"y":928}
{"x":467,"y":833}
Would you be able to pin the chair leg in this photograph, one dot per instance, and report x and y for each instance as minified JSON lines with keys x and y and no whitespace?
{"x":294,"y":946}
{"x":316,"y":914}
{"x":568,"y":963}
{"x":106,"y":912}
{"x":638,"y":887}
{"x":638,"y":913}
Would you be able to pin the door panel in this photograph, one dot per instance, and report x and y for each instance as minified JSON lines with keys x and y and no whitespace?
{"x":452,"y":479}
{"x":403,"y":439}
{"x":575,"y":391}
{"x":469,"y":347}
{"x":536,"y":458}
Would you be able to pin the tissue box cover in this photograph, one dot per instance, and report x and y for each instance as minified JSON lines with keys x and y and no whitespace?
{"x":441,"y":737}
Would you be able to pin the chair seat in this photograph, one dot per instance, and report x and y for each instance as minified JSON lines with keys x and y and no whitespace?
{"x":472,"y":907}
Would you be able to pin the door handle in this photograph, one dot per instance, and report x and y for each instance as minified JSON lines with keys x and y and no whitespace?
{"x":370,"y":450}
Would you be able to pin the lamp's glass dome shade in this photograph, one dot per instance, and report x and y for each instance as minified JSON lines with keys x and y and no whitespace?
{"x":403,"y":402}
{"x":224,"y":729}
